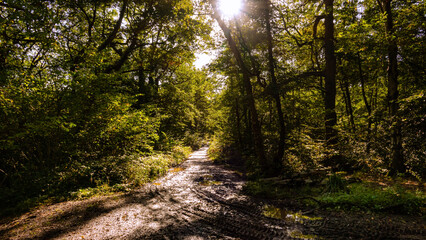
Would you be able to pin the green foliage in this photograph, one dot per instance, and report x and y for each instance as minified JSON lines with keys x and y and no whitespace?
{"x":145,"y":169}
{"x":355,"y":197}
{"x":362,"y":101}
{"x":335,"y":183}
{"x":215,"y":149}
{"x":413,"y":129}
{"x":95,"y":92}
{"x":129,"y":132}
{"x":388,"y":199}
{"x":107,"y":176}
{"x":89,"y":98}
{"x":304,"y":152}
{"x":188,"y":118}
{"x":93,"y":191}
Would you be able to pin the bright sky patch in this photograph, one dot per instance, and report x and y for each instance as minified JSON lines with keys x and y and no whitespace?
{"x":230,"y":8}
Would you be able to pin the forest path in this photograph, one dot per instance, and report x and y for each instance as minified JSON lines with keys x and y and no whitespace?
{"x":198,"y":200}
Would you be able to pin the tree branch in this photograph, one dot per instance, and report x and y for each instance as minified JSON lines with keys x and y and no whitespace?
{"x":317,"y":20}
{"x":3,"y":4}
{"x":126,"y":54}
{"x":117,"y":26}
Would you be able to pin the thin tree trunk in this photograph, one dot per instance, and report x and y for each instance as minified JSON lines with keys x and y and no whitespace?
{"x":237,"y":114}
{"x":330,"y":76}
{"x":350,"y":108}
{"x":347,"y":103}
{"x":367,"y":105}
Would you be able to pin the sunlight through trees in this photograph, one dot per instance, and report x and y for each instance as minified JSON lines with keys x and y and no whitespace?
{"x":87,"y":87}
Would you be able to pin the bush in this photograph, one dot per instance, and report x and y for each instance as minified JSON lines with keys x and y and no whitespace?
{"x":215,"y":149}
{"x":303,"y":152}
{"x":90,"y":178}
{"x":136,"y":169}
{"x":413,"y":131}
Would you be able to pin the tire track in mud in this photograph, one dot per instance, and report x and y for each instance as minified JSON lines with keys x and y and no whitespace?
{"x":209,"y":205}
{"x":198,"y":200}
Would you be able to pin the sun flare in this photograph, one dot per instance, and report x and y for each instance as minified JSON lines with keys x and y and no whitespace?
{"x":230,"y":8}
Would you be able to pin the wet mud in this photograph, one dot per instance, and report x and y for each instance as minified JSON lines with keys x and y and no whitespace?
{"x":200,"y":200}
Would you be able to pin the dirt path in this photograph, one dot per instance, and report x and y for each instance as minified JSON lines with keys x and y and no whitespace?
{"x":199,"y":200}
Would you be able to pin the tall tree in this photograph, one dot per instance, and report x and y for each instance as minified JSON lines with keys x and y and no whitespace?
{"x":274,"y":85}
{"x":397,"y":158}
{"x":255,"y":123}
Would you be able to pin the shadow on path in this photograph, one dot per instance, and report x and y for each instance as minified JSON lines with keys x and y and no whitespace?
{"x":203,"y":201}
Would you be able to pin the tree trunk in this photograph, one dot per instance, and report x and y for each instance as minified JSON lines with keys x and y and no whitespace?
{"x":397,"y":159}
{"x":367,"y":105}
{"x":349,"y":105}
{"x":237,"y":115}
{"x":330,"y":76}
{"x":255,"y":124}
{"x":274,"y":88}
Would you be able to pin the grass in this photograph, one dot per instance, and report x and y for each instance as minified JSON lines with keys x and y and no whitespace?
{"x":361,"y":196}
{"x":141,"y":170}
{"x":281,"y":213}
{"x":102,"y":190}
{"x":337,"y":194}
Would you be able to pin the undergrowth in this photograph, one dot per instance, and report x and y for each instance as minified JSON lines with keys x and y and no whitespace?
{"x":117,"y":174}
{"x":359,"y":196}
{"x":339,"y":195}
{"x":304,"y":179}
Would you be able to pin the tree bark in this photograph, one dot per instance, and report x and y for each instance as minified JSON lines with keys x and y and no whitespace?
{"x":397,"y":159}
{"x":237,"y":115}
{"x":330,"y":76}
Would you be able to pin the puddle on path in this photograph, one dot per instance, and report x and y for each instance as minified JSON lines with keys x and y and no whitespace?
{"x":289,"y":216}
{"x":280,"y":213}
{"x":300,"y":235}
{"x":209,"y":183}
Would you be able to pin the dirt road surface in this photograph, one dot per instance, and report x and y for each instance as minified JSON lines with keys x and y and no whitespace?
{"x":198,"y":200}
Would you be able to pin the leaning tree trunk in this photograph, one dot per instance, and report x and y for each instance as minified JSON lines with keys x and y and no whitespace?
{"x":330,"y":76}
{"x":255,"y":124}
{"x":397,"y":159}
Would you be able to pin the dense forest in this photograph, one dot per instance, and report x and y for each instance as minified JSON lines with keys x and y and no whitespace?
{"x":104,"y":93}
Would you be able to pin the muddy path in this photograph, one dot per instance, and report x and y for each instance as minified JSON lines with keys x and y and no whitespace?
{"x":198,"y":200}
